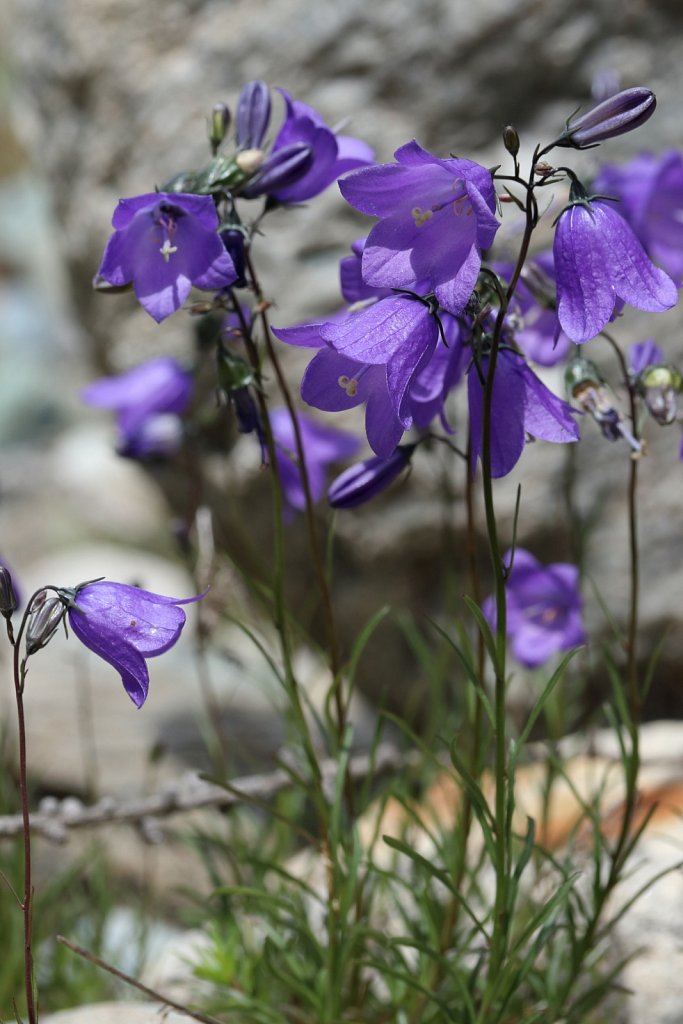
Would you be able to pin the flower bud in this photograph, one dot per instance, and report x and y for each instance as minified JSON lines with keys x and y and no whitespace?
{"x":218,"y":125}
{"x":614,"y":116}
{"x":280,"y":170}
{"x":659,"y":386}
{"x":233,"y":240}
{"x":511,"y":139}
{"x":363,"y":481}
{"x":8,"y":597}
{"x":249,"y":160}
{"x":46,"y":615}
{"x":253,"y":115}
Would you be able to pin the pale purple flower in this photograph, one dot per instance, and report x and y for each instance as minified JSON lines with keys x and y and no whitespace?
{"x":148,"y":401}
{"x":543,"y":609}
{"x":521,"y":405}
{"x":616,"y":115}
{"x":650,"y":190}
{"x":125,"y":626}
{"x":436,"y":217}
{"x":322,"y":446}
{"x":598,"y":260}
{"x":165,"y":243}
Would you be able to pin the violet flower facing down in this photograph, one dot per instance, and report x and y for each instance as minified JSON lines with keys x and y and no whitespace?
{"x":322,"y":446}
{"x":125,"y":626}
{"x":165,"y":243}
{"x":436,"y":217}
{"x":148,"y":401}
{"x":543,"y":609}
{"x":521,"y":405}
{"x":598,"y":260}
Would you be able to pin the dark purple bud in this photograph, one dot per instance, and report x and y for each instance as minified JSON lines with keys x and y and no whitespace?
{"x":280,"y":170}
{"x":253,"y":115}
{"x":46,"y":615}
{"x":233,"y":240}
{"x":511,"y":139}
{"x":363,"y":481}
{"x":614,"y":116}
{"x":8,"y":597}
{"x":218,"y":125}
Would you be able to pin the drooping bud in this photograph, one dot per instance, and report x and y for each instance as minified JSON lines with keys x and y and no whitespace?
{"x":253,"y":115}
{"x":46,"y":615}
{"x":365,"y":480}
{"x":8,"y":597}
{"x":280,"y":170}
{"x":511,"y":139}
{"x":218,"y":125}
{"x":659,"y":386}
{"x":617,"y":115}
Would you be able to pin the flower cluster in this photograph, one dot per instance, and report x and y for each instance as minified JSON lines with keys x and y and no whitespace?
{"x":428,"y":306}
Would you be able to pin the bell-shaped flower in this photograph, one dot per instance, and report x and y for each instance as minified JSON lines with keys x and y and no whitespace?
{"x":599,"y":260}
{"x":148,"y":401}
{"x":164,"y":243}
{"x":322,"y":446}
{"x":333,"y":154}
{"x":125,"y":626}
{"x":543,"y":609}
{"x":521,"y":405}
{"x":436,"y":217}
{"x":399,"y":332}
{"x":650,"y":190}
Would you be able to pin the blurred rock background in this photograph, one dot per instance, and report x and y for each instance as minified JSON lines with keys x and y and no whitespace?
{"x":106,"y":98}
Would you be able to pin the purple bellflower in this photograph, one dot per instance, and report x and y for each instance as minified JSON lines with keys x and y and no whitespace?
{"x":125,"y":626}
{"x":598,"y":260}
{"x":521,"y":405}
{"x":148,"y":401}
{"x":616,"y":115}
{"x":435,"y":218}
{"x":322,"y":446}
{"x":165,"y":243}
{"x":306,"y":156}
{"x":333,"y":154}
{"x":543,"y":609}
{"x":650,"y":190}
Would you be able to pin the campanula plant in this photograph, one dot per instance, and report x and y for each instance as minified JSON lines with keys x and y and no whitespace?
{"x":448,"y":345}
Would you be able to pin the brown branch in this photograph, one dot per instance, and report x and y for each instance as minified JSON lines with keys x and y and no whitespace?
{"x":193,"y":795}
